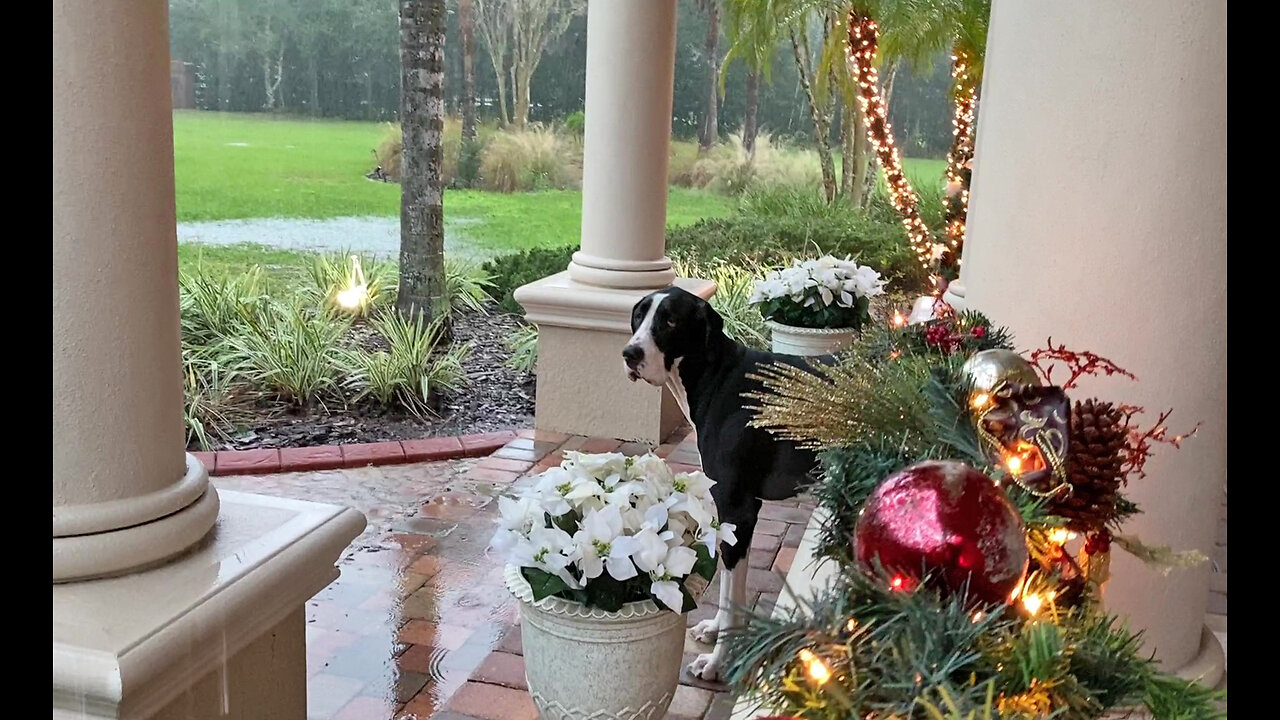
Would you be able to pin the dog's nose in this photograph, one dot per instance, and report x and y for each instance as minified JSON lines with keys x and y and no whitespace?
{"x":632,"y":354}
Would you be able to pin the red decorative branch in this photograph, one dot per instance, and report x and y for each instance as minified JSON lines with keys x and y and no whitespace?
{"x":1079,"y":364}
{"x":1138,"y":445}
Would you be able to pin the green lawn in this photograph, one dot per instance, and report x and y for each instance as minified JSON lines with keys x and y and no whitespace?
{"x":229,"y":165}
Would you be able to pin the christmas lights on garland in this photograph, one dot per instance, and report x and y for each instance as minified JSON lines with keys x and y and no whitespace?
{"x":925,"y":430}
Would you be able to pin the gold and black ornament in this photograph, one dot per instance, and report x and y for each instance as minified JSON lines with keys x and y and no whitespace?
{"x":987,"y":370}
{"x":1024,"y":424}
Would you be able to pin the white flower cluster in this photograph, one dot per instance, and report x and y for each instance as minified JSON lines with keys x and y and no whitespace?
{"x":625,"y":515}
{"x":827,"y":279}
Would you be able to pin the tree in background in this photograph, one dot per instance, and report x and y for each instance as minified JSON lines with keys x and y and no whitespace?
{"x":422,"y":25}
{"x":466,"y":34}
{"x":918,"y":31}
{"x":524,"y":28}
{"x":710,"y":134}
{"x":756,"y":27}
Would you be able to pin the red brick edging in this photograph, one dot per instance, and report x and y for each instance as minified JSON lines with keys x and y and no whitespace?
{"x":330,"y":457}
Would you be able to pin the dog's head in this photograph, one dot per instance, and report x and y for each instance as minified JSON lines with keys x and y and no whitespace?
{"x":668,"y":325}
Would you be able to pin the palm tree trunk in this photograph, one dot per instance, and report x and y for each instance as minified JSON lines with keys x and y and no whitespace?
{"x":863,"y":167}
{"x":749,"y":127}
{"x":821,"y":130}
{"x":466,"y":32}
{"x":711,"y":119}
{"x":422,"y":25}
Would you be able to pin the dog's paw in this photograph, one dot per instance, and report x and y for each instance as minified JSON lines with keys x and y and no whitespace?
{"x":706,"y":631}
{"x":706,"y":667}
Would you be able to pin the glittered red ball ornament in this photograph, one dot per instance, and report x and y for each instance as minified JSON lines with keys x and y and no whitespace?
{"x":948,"y":520}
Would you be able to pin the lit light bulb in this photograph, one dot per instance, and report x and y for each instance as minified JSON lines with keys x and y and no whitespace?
{"x":898,"y":319}
{"x":980,"y":401}
{"x":1060,"y":536}
{"x":814,"y":666}
{"x":353,"y":297}
{"x":1014,"y":463}
{"x":1032,"y":603}
{"x":977,"y":616}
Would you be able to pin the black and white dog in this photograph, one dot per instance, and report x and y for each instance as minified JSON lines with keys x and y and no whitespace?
{"x":679,"y":342}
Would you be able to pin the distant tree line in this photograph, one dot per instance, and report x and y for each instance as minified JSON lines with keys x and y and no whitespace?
{"x":340,"y":59}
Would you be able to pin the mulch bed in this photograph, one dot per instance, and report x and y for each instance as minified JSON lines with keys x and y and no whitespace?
{"x":495,"y":398}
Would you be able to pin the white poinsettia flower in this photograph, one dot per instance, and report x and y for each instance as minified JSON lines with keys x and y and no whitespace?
{"x":679,"y":561}
{"x":650,"y":467}
{"x":668,"y":593}
{"x":550,"y":489}
{"x":603,"y":546}
{"x":649,"y":549}
{"x":600,"y":466}
{"x":549,"y":549}
{"x":694,"y":483}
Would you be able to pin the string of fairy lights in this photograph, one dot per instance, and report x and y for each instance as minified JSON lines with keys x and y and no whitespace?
{"x":864,"y":38}
{"x":961,"y":153}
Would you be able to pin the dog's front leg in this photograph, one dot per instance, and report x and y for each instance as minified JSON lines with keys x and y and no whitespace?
{"x":733,"y":597}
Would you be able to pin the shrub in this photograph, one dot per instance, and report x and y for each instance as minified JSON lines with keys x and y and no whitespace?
{"x":576,"y":123}
{"x":466,"y":285}
{"x":522,"y":343}
{"x":454,"y":170}
{"x":515,"y":269}
{"x":216,"y":400}
{"x":334,"y":277}
{"x":728,"y":168}
{"x":531,"y":159}
{"x":742,"y":321}
{"x":212,"y":308}
{"x":290,"y":350}
{"x":748,"y":238}
{"x":469,"y":156}
{"x":410,"y":372}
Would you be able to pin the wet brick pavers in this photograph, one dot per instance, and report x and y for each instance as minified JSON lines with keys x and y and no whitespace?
{"x":420,"y":625}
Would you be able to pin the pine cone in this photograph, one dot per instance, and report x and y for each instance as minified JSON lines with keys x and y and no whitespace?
{"x":1094,"y":461}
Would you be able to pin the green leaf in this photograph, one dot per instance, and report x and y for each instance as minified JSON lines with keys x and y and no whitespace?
{"x":543,"y":583}
{"x":705,"y":565}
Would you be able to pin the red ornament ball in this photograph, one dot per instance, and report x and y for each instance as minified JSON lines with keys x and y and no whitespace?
{"x":945,"y":519}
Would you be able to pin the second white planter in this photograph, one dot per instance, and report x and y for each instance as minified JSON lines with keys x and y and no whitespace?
{"x":791,"y":340}
{"x":583,"y":662}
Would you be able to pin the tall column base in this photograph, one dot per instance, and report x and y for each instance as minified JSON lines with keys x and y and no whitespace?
{"x":582,"y":389}
{"x":218,"y":633}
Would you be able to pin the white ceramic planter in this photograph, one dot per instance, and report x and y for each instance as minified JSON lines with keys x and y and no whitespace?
{"x":791,"y":340}
{"x":585,"y":663}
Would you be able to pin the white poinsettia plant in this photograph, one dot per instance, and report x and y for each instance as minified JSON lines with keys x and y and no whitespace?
{"x":826,"y":292}
{"x":606,"y":529}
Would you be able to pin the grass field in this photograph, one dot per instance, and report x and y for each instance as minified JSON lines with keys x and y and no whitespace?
{"x":232,"y":166}
{"x":229,"y":166}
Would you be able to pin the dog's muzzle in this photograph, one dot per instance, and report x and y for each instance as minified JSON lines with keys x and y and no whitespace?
{"x":633,"y":356}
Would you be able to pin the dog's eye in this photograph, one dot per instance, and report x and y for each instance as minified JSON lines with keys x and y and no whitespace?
{"x":671,"y":323}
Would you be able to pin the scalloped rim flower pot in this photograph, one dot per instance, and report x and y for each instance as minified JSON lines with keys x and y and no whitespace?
{"x":585,"y":663}
{"x":792,"y":340}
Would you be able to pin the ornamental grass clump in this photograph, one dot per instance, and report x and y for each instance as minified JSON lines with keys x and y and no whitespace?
{"x":605,"y":530}
{"x":824,"y":293}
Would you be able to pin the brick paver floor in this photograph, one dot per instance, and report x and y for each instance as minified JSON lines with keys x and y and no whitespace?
{"x":420,"y":625}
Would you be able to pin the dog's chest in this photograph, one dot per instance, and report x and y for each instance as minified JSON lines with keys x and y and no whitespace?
{"x":676,"y":386}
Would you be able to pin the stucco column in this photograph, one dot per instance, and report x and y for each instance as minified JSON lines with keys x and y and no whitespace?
{"x":630,"y":77}
{"x":583,"y":314}
{"x":1098,"y":217}
{"x":125,"y":494}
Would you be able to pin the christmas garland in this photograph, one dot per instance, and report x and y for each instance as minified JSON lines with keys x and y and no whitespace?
{"x":998,"y":625}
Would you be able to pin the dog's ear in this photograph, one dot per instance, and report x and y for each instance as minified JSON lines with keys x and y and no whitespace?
{"x":712,"y":320}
